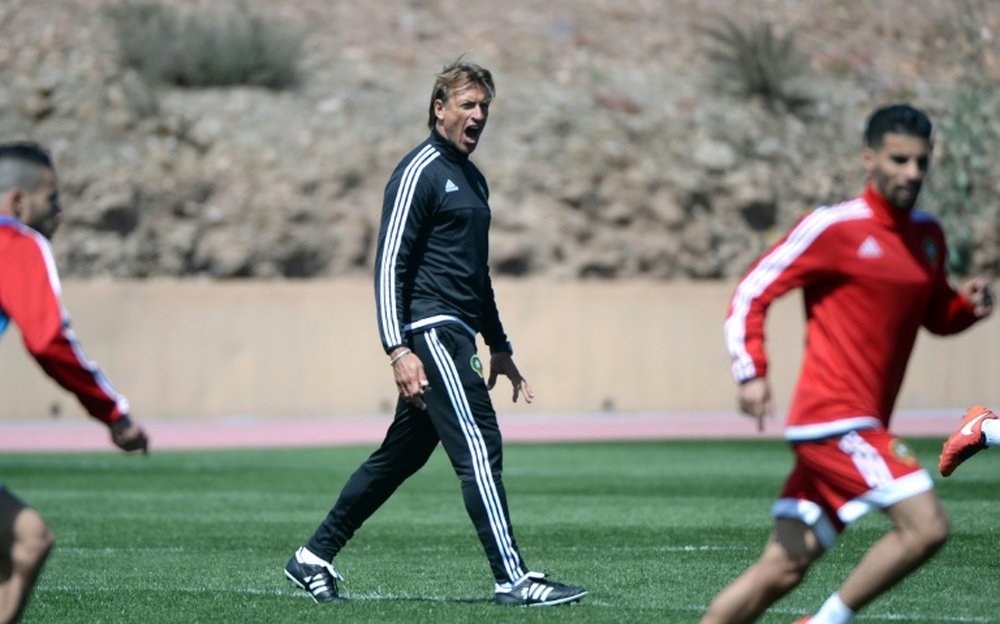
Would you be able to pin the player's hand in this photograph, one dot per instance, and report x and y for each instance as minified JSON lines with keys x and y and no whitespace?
{"x":979,"y":293}
{"x":501,"y":363}
{"x":129,"y":436}
{"x":754,"y":398}
{"x":411,"y":381}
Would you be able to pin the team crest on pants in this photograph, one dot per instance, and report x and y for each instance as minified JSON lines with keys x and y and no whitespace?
{"x":902,"y":451}
{"x":477,"y":365}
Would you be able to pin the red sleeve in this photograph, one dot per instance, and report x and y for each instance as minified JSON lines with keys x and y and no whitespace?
{"x":30,"y":295}
{"x":948,"y":312}
{"x":799,"y":258}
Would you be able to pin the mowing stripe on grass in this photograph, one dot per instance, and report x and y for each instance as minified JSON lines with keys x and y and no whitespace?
{"x":653,"y":530}
{"x":589,"y":602}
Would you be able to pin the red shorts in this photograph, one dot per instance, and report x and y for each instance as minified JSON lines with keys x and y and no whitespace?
{"x":837,"y":480}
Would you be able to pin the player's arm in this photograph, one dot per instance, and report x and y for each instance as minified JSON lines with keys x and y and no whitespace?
{"x":745,"y":339}
{"x":803,"y":255}
{"x":405,"y":206}
{"x":63,"y":359}
{"x":768,"y":279}
{"x":32,"y":299}
{"x":950,"y":311}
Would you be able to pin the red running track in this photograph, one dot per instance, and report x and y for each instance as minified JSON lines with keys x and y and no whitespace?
{"x":82,"y":435}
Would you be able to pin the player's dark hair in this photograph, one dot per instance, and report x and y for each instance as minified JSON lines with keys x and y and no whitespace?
{"x":21,"y":164}
{"x":897,"y":119}
{"x":458,"y":74}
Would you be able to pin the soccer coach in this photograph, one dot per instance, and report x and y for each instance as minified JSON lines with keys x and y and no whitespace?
{"x":434,"y":295}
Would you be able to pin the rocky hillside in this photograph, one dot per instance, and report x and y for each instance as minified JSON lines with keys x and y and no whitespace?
{"x":613,"y":149}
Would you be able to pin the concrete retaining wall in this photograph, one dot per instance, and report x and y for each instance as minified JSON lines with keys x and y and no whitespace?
{"x":183,"y":350}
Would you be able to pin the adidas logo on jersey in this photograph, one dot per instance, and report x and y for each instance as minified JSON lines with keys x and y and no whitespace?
{"x":870,"y":248}
{"x":450,"y":187}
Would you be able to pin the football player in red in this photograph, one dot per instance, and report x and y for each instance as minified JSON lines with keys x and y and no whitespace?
{"x":30,"y":296}
{"x":872,"y":272}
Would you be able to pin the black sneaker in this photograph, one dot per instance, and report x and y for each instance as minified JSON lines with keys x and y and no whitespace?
{"x":535,"y":590}
{"x":317,"y":579}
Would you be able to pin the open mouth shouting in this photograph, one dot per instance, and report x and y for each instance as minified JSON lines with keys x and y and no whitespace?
{"x":471,"y":134}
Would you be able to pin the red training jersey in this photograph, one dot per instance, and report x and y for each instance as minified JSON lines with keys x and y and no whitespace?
{"x":30,"y":295}
{"x":871,"y":276}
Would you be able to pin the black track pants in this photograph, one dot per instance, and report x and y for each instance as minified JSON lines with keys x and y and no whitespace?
{"x":460,"y":415}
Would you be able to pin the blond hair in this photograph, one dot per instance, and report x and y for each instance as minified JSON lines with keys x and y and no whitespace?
{"x":454,"y":76}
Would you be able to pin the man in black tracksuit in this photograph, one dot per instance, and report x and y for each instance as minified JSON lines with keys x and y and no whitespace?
{"x":434,"y":294}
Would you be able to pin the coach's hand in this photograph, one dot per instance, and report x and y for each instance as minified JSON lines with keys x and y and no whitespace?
{"x":501,"y":363}
{"x":411,"y":381}
{"x":754,"y":398}
{"x":129,"y":436}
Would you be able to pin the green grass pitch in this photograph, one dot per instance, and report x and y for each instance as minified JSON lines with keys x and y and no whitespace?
{"x":652,"y":529}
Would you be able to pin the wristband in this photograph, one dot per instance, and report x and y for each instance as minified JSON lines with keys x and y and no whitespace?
{"x":399,"y":356}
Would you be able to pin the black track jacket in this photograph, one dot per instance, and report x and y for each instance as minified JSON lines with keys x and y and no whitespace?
{"x":433,"y":248}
